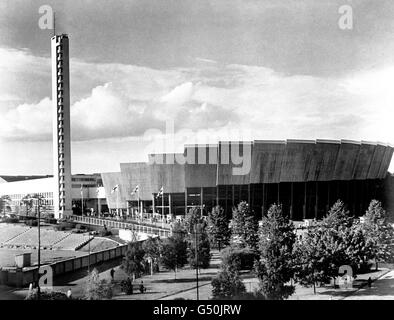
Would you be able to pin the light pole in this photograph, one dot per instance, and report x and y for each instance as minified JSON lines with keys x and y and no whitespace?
{"x":38,"y":199}
{"x":196,"y":242}
{"x":88,"y":227}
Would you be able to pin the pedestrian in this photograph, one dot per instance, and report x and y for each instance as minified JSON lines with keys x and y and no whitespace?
{"x":129,"y":286}
{"x":69,"y":293}
{"x":142,"y":288}
{"x":112,"y":274}
{"x":369,"y":282}
{"x":31,"y":287}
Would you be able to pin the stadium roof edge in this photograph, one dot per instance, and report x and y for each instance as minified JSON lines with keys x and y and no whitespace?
{"x":270,"y":141}
{"x":332,"y":141}
{"x":350,"y":141}
{"x":300,"y":141}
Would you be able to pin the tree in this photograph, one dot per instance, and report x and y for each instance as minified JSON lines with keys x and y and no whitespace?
{"x":30,"y":201}
{"x":275,"y":269}
{"x":315,"y":257}
{"x":238,"y":258}
{"x":132,"y":262}
{"x":218,"y":227}
{"x":379,"y":232}
{"x":4,"y":203}
{"x":174,"y":249}
{"x":193,"y":217}
{"x":195,"y":227}
{"x":203,"y":248}
{"x":227,"y":284}
{"x":97,"y":289}
{"x":335,"y":241}
{"x":152,"y":248}
{"x":244,"y":226}
{"x":338,"y":217}
{"x":174,"y":254}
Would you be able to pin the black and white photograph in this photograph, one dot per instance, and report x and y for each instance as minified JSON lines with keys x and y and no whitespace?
{"x":196,"y":150}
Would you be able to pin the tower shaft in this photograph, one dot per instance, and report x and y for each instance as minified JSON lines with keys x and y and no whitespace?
{"x":61,"y":126}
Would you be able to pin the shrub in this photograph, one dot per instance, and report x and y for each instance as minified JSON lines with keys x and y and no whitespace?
{"x":126,"y":287}
{"x":31,"y":223}
{"x":227,"y":284}
{"x":237,"y":258}
{"x":54,"y":295}
{"x":105,"y":232}
{"x":51,"y":220}
{"x":97,"y":289}
{"x":10,"y":220}
{"x":65,"y":226}
{"x":77,"y":231}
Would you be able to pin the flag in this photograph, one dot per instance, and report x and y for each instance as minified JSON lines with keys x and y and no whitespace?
{"x":97,"y":191}
{"x":114,"y":189}
{"x":160,"y":192}
{"x":81,"y":189}
{"x":135,"y":190}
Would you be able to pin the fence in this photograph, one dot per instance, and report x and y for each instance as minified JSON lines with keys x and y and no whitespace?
{"x":20,"y":278}
{"x":163,"y":233}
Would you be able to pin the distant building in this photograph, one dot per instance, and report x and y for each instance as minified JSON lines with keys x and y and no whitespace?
{"x":92,"y":193}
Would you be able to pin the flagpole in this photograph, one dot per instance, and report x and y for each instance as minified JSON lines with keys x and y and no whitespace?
{"x":162,"y":203}
{"x":81,"y":199}
{"x":138,"y":191}
{"x":117,"y":201}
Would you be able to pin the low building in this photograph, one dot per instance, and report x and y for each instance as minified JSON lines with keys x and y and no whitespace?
{"x":85,"y":187}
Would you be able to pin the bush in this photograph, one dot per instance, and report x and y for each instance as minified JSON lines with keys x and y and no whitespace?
{"x":126,"y":287}
{"x":65,"y":226}
{"x":80,"y":227}
{"x":10,"y":220}
{"x":47,"y":295}
{"x":51,"y":220}
{"x":31,"y":223}
{"x":227,"y":284}
{"x":97,"y":289}
{"x":77,"y":231}
{"x":237,"y":258}
{"x":105,"y":233}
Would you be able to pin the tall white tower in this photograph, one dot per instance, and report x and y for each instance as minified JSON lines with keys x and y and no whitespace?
{"x":61,"y":126}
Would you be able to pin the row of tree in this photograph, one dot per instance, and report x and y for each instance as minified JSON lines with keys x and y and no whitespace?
{"x":283,"y":258}
{"x":188,"y":244}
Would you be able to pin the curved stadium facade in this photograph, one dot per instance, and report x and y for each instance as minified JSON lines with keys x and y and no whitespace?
{"x":305,"y":176}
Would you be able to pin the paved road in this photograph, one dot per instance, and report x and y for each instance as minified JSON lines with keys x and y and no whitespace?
{"x":381,"y":289}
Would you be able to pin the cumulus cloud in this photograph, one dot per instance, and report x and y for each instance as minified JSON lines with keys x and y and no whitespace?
{"x":115,"y":100}
{"x":27,"y":121}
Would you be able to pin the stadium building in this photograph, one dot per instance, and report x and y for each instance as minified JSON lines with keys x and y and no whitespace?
{"x":305,"y":176}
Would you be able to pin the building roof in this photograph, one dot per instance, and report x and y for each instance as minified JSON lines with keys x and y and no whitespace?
{"x":263,"y":161}
{"x":8,"y":178}
{"x":27,"y":186}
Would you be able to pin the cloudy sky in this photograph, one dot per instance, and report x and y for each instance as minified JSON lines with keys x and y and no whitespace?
{"x":216,"y":69}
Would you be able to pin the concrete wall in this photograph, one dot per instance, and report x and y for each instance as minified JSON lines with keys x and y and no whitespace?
{"x":271,"y":162}
{"x":267,"y":157}
{"x":22,"y":278}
